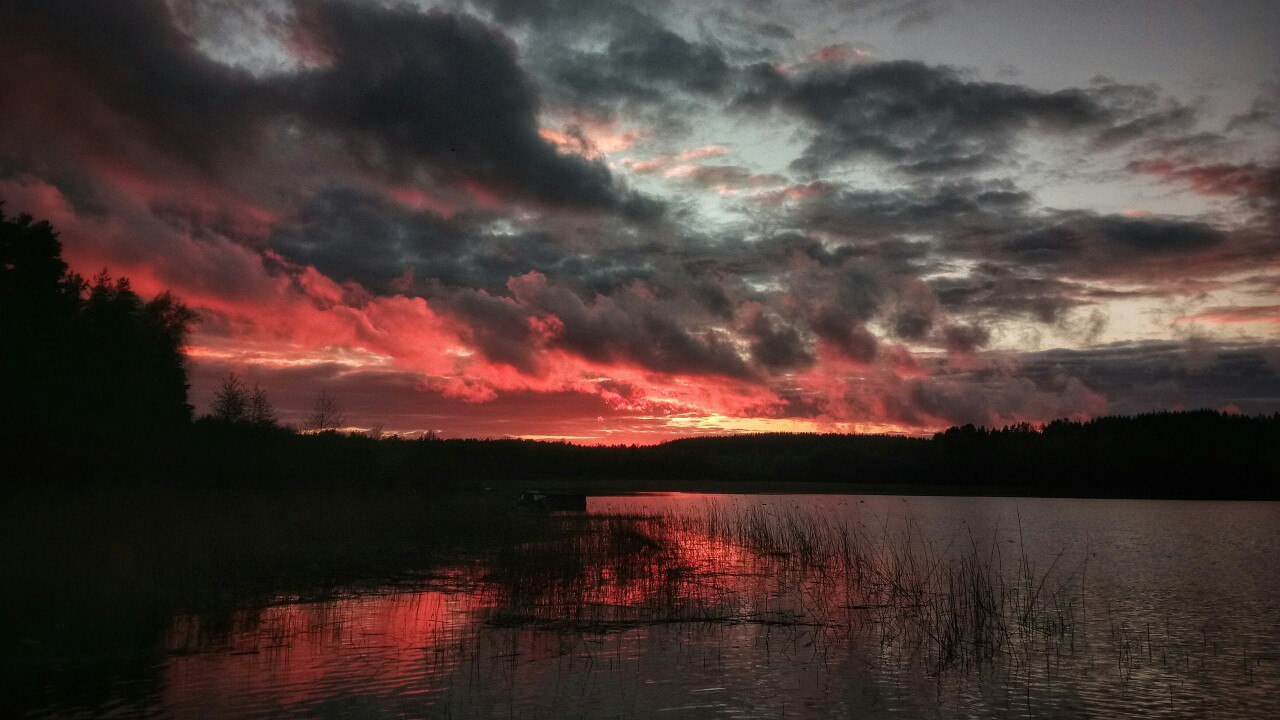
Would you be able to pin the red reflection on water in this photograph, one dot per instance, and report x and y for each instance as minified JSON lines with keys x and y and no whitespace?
{"x":629,"y":587}
{"x":297,"y":655}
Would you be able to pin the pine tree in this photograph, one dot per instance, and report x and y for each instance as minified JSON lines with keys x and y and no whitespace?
{"x":231,"y":403}
{"x":261,"y":411}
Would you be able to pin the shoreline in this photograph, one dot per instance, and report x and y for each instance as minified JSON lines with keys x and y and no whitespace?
{"x":625,"y":487}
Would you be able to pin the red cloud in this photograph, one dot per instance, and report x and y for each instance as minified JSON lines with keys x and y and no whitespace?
{"x":839,"y":54}
{"x":1234,"y":314}
{"x":1249,"y":180}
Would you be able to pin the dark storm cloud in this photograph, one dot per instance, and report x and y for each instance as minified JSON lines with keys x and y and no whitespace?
{"x":964,"y":338}
{"x":846,"y":334}
{"x":920,"y":117}
{"x":398,"y":152}
{"x":644,"y":63}
{"x":745,"y":31}
{"x":876,"y":214}
{"x":71,"y":60}
{"x":681,"y":313}
{"x":914,"y":13}
{"x":1145,"y":376}
{"x":552,"y":14}
{"x":901,"y":15}
{"x":995,"y":399}
{"x":853,"y":283}
{"x":995,"y":225}
{"x":660,"y":56}
{"x":914,"y":311}
{"x":1003,"y":290}
{"x":497,"y":326}
{"x":405,"y":90}
{"x":629,"y":327}
{"x":446,"y":91}
{"x":349,"y":235}
{"x":1019,"y":261}
{"x":1085,"y":245}
{"x":1123,"y":378}
{"x":931,"y":119}
{"x":598,"y":56}
{"x":668,"y":332}
{"x":777,"y":345}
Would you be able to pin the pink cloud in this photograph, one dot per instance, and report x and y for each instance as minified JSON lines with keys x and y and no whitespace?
{"x":703,"y":152}
{"x":839,"y":54}
{"x":1236,"y":314}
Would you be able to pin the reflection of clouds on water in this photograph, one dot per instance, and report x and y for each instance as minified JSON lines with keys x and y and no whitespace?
{"x":769,"y":606}
{"x":302,"y":658}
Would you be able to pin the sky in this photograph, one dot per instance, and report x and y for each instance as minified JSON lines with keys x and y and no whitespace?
{"x":621,"y":222}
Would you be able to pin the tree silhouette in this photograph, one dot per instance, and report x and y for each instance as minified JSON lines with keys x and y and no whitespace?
{"x":325,"y":415}
{"x":37,"y":305}
{"x":261,"y":412}
{"x":83,"y":366}
{"x":130,"y":357}
{"x":231,"y":401}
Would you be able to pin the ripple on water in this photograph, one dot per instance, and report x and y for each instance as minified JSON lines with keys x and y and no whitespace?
{"x":1171,"y":609}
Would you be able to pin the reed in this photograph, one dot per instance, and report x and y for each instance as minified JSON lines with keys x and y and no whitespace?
{"x":960,"y":606}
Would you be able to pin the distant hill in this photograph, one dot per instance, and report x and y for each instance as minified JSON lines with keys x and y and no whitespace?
{"x":1200,"y":453}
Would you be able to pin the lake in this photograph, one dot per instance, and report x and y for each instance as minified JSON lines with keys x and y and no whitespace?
{"x":688,"y":605}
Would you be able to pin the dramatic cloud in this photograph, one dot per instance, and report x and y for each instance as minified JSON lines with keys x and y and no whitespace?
{"x":921,"y":118}
{"x":402,"y":91}
{"x":624,"y":221}
{"x":1236,"y":314}
{"x":1257,"y":185}
{"x":443,"y":91}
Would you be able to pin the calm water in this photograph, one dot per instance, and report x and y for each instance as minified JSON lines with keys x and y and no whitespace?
{"x":1140,"y":609}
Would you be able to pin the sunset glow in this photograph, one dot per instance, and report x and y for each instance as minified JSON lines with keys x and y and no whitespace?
{"x":624,"y":223}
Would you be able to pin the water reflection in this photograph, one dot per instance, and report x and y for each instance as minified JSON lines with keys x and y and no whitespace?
{"x":365,"y":656}
{"x":769,"y":606}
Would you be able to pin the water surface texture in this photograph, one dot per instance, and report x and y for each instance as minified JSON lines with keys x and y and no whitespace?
{"x":766,"y":606}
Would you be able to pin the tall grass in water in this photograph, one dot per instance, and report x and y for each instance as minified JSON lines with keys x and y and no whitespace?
{"x":961,"y":604}
{"x":602,"y":572}
{"x":958,"y":606}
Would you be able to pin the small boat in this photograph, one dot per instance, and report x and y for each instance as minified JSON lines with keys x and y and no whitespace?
{"x":553,"y":501}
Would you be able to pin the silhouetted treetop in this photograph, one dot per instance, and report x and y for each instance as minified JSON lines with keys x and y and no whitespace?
{"x":231,"y":401}
{"x":82,"y":362}
{"x":326,"y":414}
{"x":31,"y":265}
{"x":261,"y":411}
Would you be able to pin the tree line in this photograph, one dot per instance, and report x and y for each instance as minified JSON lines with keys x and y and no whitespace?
{"x":93,"y":386}
{"x":235,"y":403}
{"x":93,"y":380}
